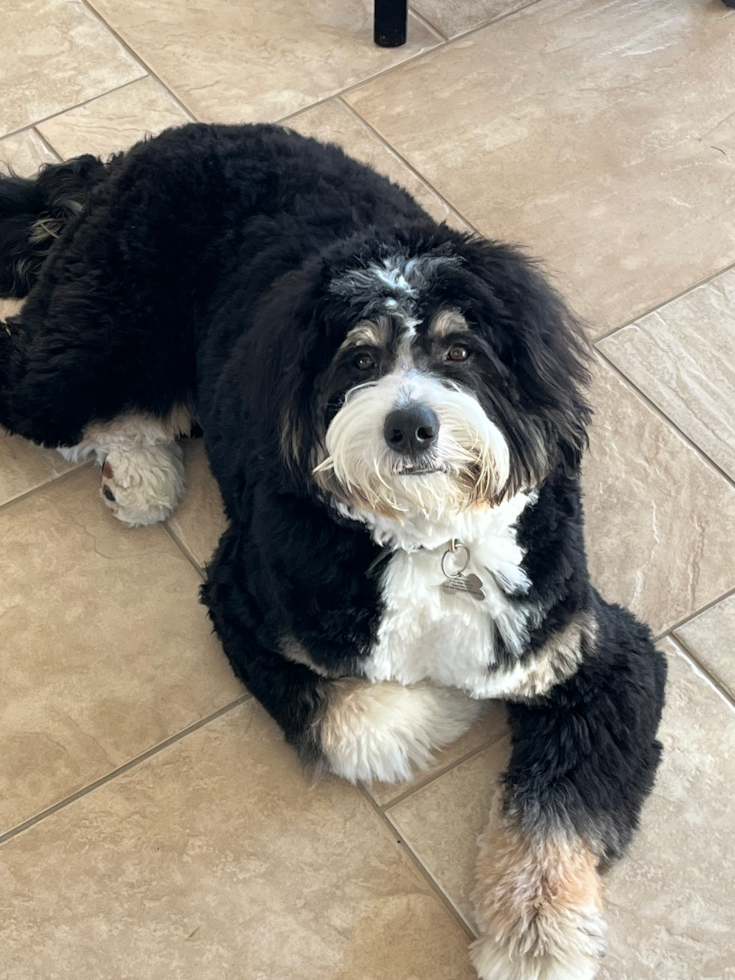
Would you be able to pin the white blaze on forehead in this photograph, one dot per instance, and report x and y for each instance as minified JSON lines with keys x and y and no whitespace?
{"x":393,"y":274}
{"x":404,"y":359}
{"x":396,"y":275}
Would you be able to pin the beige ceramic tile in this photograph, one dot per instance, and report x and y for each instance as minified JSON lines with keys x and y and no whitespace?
{"x":683,"y":357}
{"x":442,"y":821}
{"x":24,"y":466}
{"x":106,"y":651}
{"x":200,"y":520}
{"x":453,"y":17}
{"x":709,"y":637}
{"x":216,"y":858}
{"x":660,"y":521}
{"x":115,"y":121}
{"x":255,"y":60}
{"x":55,"y":55}
{"x":491,"y":727}
{"x":670,"y":902}
{"x":599,"y":134}
{"x":334,"y":123}
{"x":24,"y":154}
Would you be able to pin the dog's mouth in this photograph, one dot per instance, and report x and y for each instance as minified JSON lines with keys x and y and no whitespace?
{"x":425,"y":469}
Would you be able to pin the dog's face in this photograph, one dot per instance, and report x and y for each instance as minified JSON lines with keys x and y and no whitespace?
{"x":408,"y":425}
{"x":444,"y":378}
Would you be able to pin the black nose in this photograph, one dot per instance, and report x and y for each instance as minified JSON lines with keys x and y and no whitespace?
{"x":411,"y":430}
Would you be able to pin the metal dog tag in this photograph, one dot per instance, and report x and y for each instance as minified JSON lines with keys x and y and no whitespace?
{"x":465,"y":583}
{"x":457,"y":581}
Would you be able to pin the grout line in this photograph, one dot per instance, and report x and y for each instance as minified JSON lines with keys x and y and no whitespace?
{"x":495,"y":20}
{"x":77,"y":105}
{"x":691,"y":616}
{"x":661,"y":415}
{"x":363,"y":81}
{"x":408,"y":850}
{"x":137,"y":58}
{"x":385,"y":71}
{"x":666,"y":302}
{"x":61,"y":478}
{"x":422,"y":18}
{"x":404,"y":161}
{"x":126,"y":767}
{"x":402,"y":797}
{"x":446,"y":44}
{"x":703,"y":671}
{"x":184,"y":548}
{"x":46,"y":143}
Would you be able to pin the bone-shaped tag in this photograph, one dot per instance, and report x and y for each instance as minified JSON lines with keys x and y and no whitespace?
{"x":470,"y":584}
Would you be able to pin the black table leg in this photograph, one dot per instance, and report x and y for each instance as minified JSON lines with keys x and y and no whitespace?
{"x":390,"y":23}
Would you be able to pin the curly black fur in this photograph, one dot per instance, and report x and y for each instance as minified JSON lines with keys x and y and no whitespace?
{"x":33,"y":212}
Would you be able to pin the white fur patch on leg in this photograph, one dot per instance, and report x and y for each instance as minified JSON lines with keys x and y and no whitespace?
{"x":538,"y":904}
{"x":144,"y":484}
{"x":385,"y":730}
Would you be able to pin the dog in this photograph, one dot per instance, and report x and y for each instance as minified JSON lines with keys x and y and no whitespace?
{"x":395,"y":413}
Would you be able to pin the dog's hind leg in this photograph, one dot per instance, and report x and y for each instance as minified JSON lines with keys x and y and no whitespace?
{"x":143,"y":474}
{"x":142,"y":469}
{"x":583,"y":761}
{"x":53,"y":398}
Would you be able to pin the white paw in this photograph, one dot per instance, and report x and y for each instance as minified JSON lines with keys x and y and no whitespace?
{"x":569,"y":947}
{"x":143,"y":484}
{"x":385,"y":730}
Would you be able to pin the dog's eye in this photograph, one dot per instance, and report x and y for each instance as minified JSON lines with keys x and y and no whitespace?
{"x":364,"y":361}
{"x":458,"y":352}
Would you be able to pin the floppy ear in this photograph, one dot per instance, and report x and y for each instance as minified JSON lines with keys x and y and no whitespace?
{"x":292,"y":344}
{"x":543,"y":348}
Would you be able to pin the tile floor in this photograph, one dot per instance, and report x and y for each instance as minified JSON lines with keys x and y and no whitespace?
{"x":153,"y":825}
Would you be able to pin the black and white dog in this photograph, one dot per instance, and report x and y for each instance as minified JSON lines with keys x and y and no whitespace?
{"x":395,"y":414}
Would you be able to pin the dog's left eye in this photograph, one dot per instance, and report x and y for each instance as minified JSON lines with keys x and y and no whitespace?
{"x":364,"y":361}
{"x":458,"y":352}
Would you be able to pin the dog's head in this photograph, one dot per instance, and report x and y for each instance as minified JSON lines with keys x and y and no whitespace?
{"x":428,"y":378}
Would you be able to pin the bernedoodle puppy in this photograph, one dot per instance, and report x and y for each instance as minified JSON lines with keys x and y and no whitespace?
{"x":395,"y":414}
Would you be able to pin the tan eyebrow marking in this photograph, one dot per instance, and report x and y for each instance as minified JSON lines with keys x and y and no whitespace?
{"x":374,"y":333}
{"x":448,"y":322}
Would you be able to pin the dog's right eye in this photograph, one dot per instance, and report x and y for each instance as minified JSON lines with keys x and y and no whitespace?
{"x":363,"y":361}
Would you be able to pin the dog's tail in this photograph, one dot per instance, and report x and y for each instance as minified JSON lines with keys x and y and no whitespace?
{"x":33,"y":212}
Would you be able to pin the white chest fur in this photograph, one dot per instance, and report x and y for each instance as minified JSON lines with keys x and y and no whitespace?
{"x":452,"y":638}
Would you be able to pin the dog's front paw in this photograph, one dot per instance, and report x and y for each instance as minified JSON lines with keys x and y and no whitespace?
{"x":145,"y":484}
{"x":569,"y":948}
{"x":384,"y":730}
{"x":538,"y":905}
